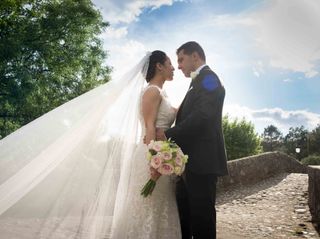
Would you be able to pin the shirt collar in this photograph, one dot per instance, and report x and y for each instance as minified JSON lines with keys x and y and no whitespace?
{"x":200,"y":68}
{"x":194,"y":74}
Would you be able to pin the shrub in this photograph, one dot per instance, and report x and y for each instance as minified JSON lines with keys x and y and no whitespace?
{"x":311,"y":160}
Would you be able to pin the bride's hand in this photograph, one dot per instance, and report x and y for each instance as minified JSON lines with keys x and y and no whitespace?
{"x":154,"y":174}
{"x":160,"y":134}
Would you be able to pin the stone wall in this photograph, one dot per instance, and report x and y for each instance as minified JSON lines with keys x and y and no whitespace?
{"x":314,"y":194}
{"x":253,"y":169}
{"x":256,"y":168}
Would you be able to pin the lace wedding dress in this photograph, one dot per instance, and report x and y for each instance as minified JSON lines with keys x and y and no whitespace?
{"x":156,"y":216}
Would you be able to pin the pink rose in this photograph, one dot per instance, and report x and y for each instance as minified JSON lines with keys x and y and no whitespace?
{"x":166,"y":169}
{"x":178,"y":160}
{"x":167,"y":156}
{"x":157,"y":145}
{"x":156,"y":161}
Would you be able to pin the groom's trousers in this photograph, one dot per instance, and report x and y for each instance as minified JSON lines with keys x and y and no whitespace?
{"x":196,"y":196}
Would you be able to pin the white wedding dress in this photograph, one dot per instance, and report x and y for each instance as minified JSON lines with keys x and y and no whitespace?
{"x":154,"y":217}
{"x":77,"y":171}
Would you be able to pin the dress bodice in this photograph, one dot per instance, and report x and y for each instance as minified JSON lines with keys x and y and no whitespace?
{"x":166,"y":113}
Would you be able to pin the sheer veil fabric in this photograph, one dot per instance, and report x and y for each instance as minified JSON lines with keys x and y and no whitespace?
{"x":64,"y":174}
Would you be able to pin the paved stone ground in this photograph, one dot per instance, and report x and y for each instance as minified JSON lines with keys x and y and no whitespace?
{"x":273,"y":208}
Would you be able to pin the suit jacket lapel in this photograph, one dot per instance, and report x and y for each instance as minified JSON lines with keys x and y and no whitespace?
{"x":184,"y":99}
{"x":204,"y":69}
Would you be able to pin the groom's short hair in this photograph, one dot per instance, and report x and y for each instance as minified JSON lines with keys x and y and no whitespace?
{"x":191,"y":47}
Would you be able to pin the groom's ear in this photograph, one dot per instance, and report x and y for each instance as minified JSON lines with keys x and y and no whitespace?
{"x":195,"y":55}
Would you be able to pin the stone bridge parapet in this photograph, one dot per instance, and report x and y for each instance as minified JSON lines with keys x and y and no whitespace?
{"x":253,"y":169}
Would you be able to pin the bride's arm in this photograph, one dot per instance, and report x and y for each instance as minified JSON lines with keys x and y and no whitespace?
{"x":151,"y":100}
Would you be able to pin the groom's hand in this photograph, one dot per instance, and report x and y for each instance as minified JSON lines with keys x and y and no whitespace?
{"x":160,"y":134}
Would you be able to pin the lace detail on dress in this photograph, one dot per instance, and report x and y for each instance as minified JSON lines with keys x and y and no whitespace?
{"x":154,"y":217}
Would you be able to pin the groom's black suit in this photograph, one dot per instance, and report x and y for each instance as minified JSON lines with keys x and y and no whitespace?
{"x":198,"y":131}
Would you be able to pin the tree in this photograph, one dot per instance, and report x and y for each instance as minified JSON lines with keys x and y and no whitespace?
{"x":272,"y":138}
{"x":297,"y":138}
{"x":240,"y":138}
{"x":314,"y":141}
{"x":50,"y":53}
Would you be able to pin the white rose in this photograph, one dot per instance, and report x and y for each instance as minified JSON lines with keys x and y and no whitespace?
{"x":193,"y":74}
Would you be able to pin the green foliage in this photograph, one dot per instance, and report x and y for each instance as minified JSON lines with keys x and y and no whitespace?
{"x":50,"y":53}
{"x":297,"y":137}
{"x":311,"y":160}
{"x":271,"y":138}
{"x":240,"y":138}
{"x":314,"y":141}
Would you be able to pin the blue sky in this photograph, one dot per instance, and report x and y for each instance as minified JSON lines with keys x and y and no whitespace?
{"x":267,"y":53}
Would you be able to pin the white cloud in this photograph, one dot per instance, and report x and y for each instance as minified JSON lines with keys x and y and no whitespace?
{"x":256,"y":73}
{"x":115,"y":33}
{"x":289,"y":118}
{"x":126,"y":11}
{"x":311,"y":73}
{"x":286,"y":32}
{"x":289,"y":33}
{"x":227,"y":20}
{"x":124,"y":55}
{"x":287,"y":80}
{"x":258,"y":69}
{"x":283,"y":119}
{"x":124,"y":51}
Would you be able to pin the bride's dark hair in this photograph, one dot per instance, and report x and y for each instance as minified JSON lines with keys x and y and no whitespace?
{"x":155,"y":57}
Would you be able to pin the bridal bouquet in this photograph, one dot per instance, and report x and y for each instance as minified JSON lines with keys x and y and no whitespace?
{"x":167,"y":158}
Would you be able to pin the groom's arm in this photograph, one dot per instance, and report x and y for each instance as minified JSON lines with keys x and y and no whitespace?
{"x":205,"y":107}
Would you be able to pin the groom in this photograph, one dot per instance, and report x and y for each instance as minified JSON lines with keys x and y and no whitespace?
{"x":198,"y":131}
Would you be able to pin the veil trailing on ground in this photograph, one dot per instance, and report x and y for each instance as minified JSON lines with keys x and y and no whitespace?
{"x":60,"y":174}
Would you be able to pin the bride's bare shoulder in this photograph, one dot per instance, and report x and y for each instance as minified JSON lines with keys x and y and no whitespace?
{"x":151,"y":93}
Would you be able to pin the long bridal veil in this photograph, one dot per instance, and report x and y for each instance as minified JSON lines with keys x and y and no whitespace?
{"x":63,"y":175}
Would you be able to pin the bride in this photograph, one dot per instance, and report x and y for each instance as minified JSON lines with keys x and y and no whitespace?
{"x":77,"y":171}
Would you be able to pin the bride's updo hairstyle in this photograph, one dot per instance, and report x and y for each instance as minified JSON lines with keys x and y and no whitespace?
{"x":155,"y":57}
